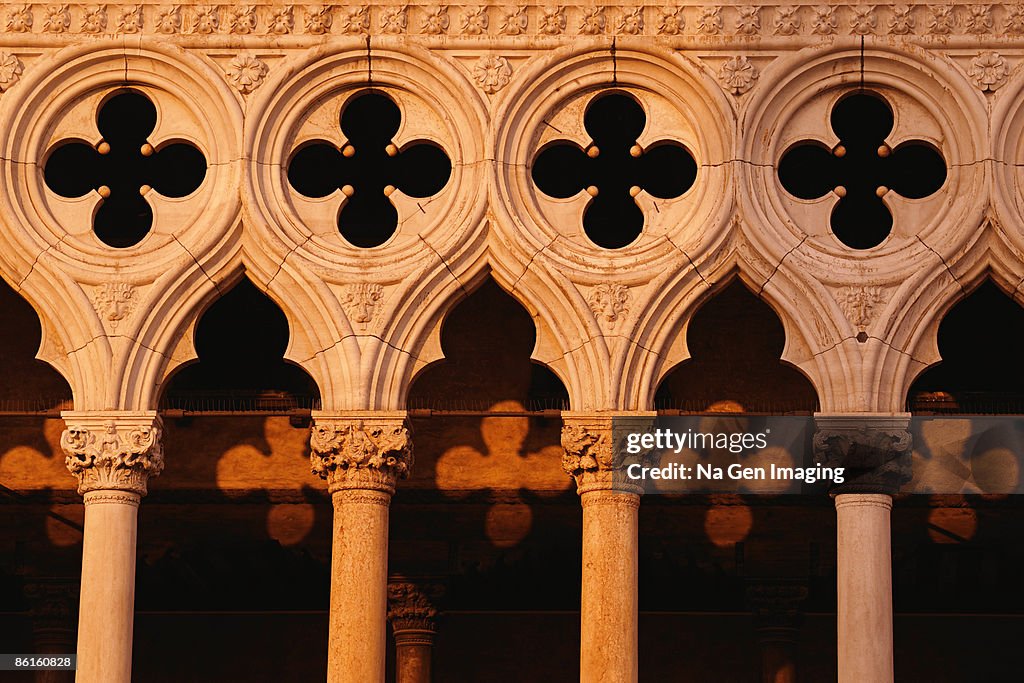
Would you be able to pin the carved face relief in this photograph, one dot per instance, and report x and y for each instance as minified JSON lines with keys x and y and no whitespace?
{"x":609,"y":302}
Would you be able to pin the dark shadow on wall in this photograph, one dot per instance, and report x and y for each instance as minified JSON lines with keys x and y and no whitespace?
{"x":40,"y":520}
{"x":982,"y":367}
{"x":735,"y":342}
{"x":496,"y":492}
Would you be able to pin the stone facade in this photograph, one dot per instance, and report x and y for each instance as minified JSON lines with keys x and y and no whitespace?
{"x":483,"y":91}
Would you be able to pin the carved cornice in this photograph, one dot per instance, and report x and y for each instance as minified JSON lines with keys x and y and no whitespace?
{"x":112,"y":451}
{"x":442,"y":21}
{"x":594,"y":445}
{"x":410,"y":608}
{"x":875,"y":450}
{"x":361,"y":450}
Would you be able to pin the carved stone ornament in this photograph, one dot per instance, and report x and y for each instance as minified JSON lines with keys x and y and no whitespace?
{"x":474,"y":21}
{"x":709,"y":21}
{"x":989,"y":71}
{"x":632,"y":22}
{"x":168,"y":19}
{"x":858,"y":303}
{"x":436,"y":22}
{"x":492,"y":73}
{"x":824,"y":22}
{"x":94,"y":19}
{"x":787,"y":20}
{"x":409,"y":608}
{"x":552,"y":21}
{"x":875,"y":451}
{"x":862,"y":21}
{"x":393,"y":20}
{"x":361,"y":452}
{"x":10,"y":70}
{"x":749,"y":21}
{"x":354,"y":20}
{"x":242,"y":19}
{"x":360,"y":301}
{"x":205,"y":20}
{"x":593,"y":21}
{"x":609,"y":302}
{"x":246,"y":73}
{"x":595,"y":450}
{"x":319,"y":19}
{"x":738,"y":75}
{"x":115,"y":301}
{"x":130,"y":19}
{"x":940,"y":20}
{"x":514,"y":22}
{"x":902,"y":21}
{"x":671,"y":21}
{"x":56,"y":19}
{"x":112,"y":451}
{"x":281,"y":21}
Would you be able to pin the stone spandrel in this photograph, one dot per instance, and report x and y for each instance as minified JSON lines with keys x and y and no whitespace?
{"x":113,"y":452}
{"x":595,"y":454}
{"x":361,"y":452}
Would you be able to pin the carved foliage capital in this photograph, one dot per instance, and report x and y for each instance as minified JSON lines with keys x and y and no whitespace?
{"x":876,"y":453}
{"x":113,"y":451}
{"x":361,"y":452}
{"x":410,"y":607}
{"x":595,"y":454}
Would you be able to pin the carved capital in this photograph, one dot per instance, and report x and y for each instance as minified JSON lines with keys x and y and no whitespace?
{"x":113,"y":451}
{"x":411,"y":608}
{"x":361,"y":450}
{"x":874,"y":450}
{"x":595,"y":454}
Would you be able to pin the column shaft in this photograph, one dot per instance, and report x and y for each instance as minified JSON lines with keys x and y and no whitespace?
{"x":609,"y":629}
{"x":412,"y":656}
{"x":107,"y":608}
{"x":359,"y":581}
{"x":865,"y":588}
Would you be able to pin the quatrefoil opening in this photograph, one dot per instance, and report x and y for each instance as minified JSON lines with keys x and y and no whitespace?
{"x":368,"y":169}
{"x":122,"y":168}
{"x":614,"y":169}
{"x":861,"y":170}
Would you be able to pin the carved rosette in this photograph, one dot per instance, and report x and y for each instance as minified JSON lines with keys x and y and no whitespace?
{"x":113,"y":451}
{"x":595,"y":449}
{"x":354,"y":451}
{"x":874,"y":450}
{"x":410,"y":608}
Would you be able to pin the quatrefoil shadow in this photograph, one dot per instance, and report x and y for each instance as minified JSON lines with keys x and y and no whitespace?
{"x":613,"y":169}
{"x":122,"y":168}
{"x":368,"y":169}
{"x":861,"y":170}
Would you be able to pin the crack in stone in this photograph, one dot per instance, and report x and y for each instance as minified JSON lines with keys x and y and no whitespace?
{"x":945,"y":265}
{"x":779,"y":265}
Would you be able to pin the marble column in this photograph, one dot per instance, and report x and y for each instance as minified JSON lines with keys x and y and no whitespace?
{"x":413,"y":622}
{"x":361,"y":455}
{"x":609,"y":616}
{"x":776,"y":607}
{"x":112,"y":454}
{"x":875,"y":451}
